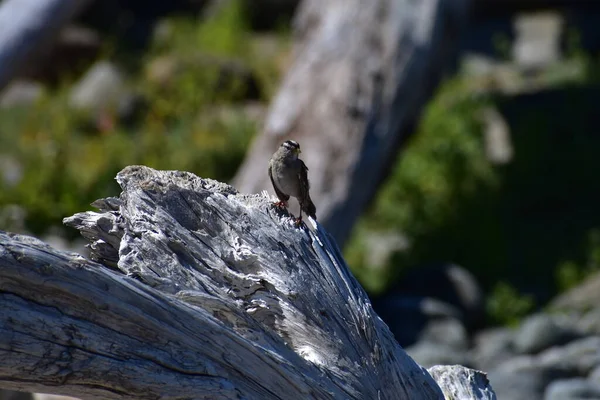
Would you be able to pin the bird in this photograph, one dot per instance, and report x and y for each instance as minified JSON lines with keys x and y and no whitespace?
{"x":289,"y":176}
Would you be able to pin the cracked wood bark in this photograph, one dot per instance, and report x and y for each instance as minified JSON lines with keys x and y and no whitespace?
{"x":196,"y":292}
{"x":220,"y":297}
{"x":458,"y":382}
{"x":363,"y":70}
{"x":28,"y":27}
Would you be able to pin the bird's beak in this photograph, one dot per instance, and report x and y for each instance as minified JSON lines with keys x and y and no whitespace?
{"x":298,"y":151}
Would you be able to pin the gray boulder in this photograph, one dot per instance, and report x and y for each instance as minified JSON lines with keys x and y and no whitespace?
{"x":573,"y":389}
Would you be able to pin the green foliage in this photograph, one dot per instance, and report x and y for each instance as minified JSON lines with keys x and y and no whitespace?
{"x":225,"y":33}
{"x":514,"y":223}
{"x":195,"y":121}
{"x":506,"y":306}
{"x":428,"y":195}
{"x":502,"y":45}
{"x":444,"y":164}
{"x":570,"y":273}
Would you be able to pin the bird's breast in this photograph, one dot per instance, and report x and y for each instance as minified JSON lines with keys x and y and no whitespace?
{"x":286,"y":178}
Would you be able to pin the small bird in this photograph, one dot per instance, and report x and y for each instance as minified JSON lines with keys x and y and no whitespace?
{"x":289,"y":177}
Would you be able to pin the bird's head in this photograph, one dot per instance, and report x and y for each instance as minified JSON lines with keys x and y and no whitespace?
{"x":291,"y":147}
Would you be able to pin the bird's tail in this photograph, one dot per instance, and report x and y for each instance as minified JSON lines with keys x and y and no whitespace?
{"x":309,"y":208}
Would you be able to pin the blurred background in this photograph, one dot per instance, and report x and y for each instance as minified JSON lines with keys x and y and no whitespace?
{"x":480,"y":245}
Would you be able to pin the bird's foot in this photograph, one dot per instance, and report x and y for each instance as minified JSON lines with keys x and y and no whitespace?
{"x":298,"y":222}
{"x":281,"y":204}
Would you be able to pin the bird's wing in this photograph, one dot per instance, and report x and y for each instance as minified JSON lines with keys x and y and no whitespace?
{"x":305,"y":202}
{"x":303,"y":177}
{"x":282,"y":196}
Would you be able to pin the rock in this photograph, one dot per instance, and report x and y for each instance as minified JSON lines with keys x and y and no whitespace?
{"x":449,"y":283}
{"x":101,"y":88}
{"x":595,"y":375}
{"x":11,"y":170}
{"x":526,"y":376}
{"x":408,"y":316}
{"x":458,"y":382}
{"x":474,"y":64}
{"x":583,"y":297}
{"x":589,"y":323}
{"x":446,"y":331}
{"x":537,"y":44}
{"x":441,"y":341}
{"x":539,"y":332}
{"x":429,"y":354}
{"x":579,"y":357}
{"x":382,"y":245}
{"x":522,"y":378}
{"x":492,"y":347}
{"x":21,"y":93}
{"x":572,"y":389}
{"x":497,"y":140}
{"x":103,"y":92}
{"x":12,"y":218}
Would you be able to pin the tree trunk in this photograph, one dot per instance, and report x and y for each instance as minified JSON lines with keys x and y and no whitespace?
{"x":363,"y":70}
{"x":28,"y":27}
{"x":208,"y":294}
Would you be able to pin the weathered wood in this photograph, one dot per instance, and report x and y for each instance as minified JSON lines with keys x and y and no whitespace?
{"x":72,"y":327}
{"x":219,"y":296}
{"x":28,"y":27}
{"x":458,"y":382}
{"x":209,"y":294}
{"x":363,"y":70}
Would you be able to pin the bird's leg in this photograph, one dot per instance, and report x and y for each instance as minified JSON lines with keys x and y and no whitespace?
{"x":281,"y":204}
{"x":298,"y":220}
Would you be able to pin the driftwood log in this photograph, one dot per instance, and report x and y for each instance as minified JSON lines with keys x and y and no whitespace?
{"x":199,"y":292}
{"x":362,"y":71}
